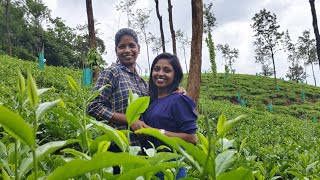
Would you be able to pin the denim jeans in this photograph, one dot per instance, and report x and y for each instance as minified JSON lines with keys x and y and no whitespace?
{"x":182,"y":172}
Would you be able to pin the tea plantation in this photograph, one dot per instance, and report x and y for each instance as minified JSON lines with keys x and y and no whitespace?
{"x":279,"y":137}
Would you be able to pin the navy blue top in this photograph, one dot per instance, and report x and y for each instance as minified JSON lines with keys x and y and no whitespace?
{"x":175,"y":113}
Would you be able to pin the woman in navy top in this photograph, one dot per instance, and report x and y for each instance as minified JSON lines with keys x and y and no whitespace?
{"x":172,"y":113}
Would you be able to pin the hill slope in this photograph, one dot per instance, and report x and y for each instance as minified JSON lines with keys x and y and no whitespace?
{"x":277,"y":143}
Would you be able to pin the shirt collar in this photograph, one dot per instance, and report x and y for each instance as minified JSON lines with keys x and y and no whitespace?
{"x":125,"y":68}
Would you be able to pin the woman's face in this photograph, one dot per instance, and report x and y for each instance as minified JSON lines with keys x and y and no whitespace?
{"x":162,"y":74}
{"x":127,"y":51}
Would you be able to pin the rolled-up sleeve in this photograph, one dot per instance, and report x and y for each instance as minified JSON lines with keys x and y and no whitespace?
{"x":101,"y":107}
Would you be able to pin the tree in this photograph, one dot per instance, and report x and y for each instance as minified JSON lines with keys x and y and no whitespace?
{"x":263,"y":57}
{"x":141,"y":22}
{"x":194,"y":77}
{"x":127,"y":7}
{"x":307,"y":51}
{"x":92,"y":34}
{"x":266,"y":31}
{"x":93,"y":53}
{"x":209,"y":23}
{"x":156,"y":43}
{"x":37,"y":12}
{"x":184,"y":42}
{"x":7,"y":20}
{"x":315,"y":28}
{"x":173,"y":34}
{"x":229,"y":55}
{"x":296,"y":72}
{"x":161,"y":26}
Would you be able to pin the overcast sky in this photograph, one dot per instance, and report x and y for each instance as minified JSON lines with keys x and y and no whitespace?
{"x":233,"y":27}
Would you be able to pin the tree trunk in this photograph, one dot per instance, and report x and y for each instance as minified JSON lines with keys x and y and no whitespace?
{"x":314,"y":77}
{"x":147,"y":43}
{"x":185,"y":59}
{"x":7,"y":16}
{"x":274,"y":69}
{"x":161,"y":26}
{"x":92,"y":35}
{"x":315,"y":28}
{"x":194,"y":78}
{"x":173,"y":33}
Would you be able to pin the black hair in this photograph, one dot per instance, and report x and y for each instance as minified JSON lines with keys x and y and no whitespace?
{"x":178,"y":74}
{"x":123,"y":32}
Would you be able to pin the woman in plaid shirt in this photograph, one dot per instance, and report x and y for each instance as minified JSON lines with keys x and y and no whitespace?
{"x":112,"y":102}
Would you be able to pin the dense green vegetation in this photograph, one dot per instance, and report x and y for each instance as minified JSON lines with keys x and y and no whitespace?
{"x":281,"y":144}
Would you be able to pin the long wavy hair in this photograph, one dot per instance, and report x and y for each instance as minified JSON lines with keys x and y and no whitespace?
{"x":178,"y":74}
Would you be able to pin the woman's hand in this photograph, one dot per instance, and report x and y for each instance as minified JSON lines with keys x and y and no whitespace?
{"x":181,"y":90}
{"x":138,"y":125}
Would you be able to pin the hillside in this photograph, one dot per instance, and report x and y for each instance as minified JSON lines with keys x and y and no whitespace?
{"x":259,"y":91}
{"x":278,"y":143}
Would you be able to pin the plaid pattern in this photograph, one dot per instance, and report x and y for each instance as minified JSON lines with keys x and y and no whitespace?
{"x":114,"y":98}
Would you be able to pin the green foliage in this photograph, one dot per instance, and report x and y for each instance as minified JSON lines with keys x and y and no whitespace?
{"x":63,"y":46}
{"x":16,"y":126}
{"x":296,"y":72}
{"x":212,"y":54}
{"x":263,"y":145}
{"x":93,"y":58}
{"x":230,"y":55}
{"x":267,"y":40}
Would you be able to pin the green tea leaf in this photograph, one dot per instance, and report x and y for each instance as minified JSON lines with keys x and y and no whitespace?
{"x":74,"y":123}
{"x":136,"y":108}
{"x":204,"y":142}
{"x":21,"y":82}
{"x":96,"y":93}
{"x":43,"y":90}
{"x":273,"y":171}
{"x":73,"y":84}
{"x":112,"y":133}
{"x":224,"y":160}
{"x":39,"y":92}
{"x":103,"y":146}
{"x":175,"y":143}
{"x":76,"y":153}
{"x":42,"y":152}
{"x":228,"y":125}
{"x":95,"y":143}
{"x":16,"y":126}
{"x":162,"y":157}
{"x":123,"y":137}
{"x":132,"y":97}
{"x":312,"y":165}
{"x":243,"y":143}
{"x":296,"y":174}
{"x":78,"y":167}
{"x":134,"y":173}
{"x":221,"y":121}
{"x":32,"y":91}
{"x":239,"y":174}
{"x":44,"y":107}
{"x":5,"y":175}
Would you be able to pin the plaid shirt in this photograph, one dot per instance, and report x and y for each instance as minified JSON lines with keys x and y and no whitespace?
{"x":114,"y":98}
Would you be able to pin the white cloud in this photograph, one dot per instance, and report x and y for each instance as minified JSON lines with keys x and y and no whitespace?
{"x":233,"y":18}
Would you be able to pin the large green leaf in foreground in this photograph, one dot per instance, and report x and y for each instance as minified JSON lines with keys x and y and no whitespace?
{"x":78,"y":167}
{"x":16,"y":126}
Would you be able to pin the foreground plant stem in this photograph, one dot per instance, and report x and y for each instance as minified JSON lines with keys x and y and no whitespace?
{"x":84,"y":124}
{"x":16,"y":159}
{"x":35,"y":167}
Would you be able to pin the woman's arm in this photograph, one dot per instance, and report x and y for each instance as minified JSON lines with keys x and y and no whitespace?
{"x":191,"y":138}
{"x":121,"y":118}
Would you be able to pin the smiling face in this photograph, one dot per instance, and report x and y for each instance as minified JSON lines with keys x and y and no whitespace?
{"x":127,"y":51}
{"x":162,"y":75}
